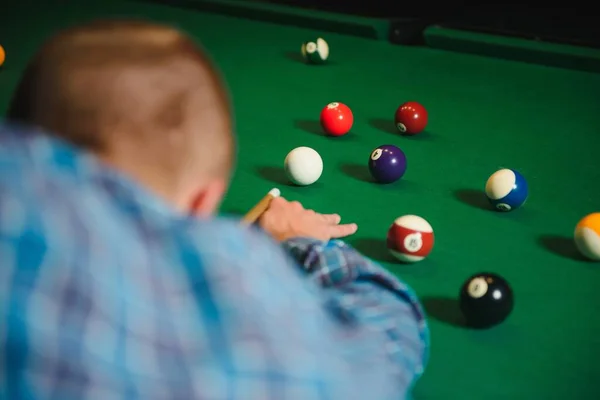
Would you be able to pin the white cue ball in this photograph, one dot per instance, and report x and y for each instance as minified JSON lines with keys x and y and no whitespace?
{"x":303,"y":166}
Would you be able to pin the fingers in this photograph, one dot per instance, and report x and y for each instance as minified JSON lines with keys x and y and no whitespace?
{"x":329,"y":222}
{"x":277,"y":202}
{"x":329,"y":219}
{"x":332,"y":219}
{"x":280,"y":201}
{"x":295,"y":205}
{"x":340,"y":231}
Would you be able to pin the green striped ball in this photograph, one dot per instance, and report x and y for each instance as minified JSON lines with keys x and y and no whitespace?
{"x":315,"y":52}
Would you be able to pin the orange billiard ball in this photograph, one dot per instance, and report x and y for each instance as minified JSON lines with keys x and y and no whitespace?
{"x":2,"y":55}
{"x":336,"y":119}
{"x":411,"y":118}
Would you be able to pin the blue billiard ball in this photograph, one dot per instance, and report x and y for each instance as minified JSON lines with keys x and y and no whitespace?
{"x":506,"y":189}
{"x":387,"y":163}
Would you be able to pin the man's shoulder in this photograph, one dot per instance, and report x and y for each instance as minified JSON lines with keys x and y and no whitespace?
{"x":67,"y":198}
{"x":31,"y":159}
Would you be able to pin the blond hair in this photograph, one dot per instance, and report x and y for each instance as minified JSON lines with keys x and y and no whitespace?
{"x":142,"y":96}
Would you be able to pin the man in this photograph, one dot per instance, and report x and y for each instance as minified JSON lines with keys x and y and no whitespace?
{"x":118,"y":283}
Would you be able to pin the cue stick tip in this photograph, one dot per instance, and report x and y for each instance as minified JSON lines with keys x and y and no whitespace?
{"x":275,"y":192}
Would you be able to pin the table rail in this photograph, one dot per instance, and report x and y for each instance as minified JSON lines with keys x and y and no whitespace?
{"x":408,"y":31}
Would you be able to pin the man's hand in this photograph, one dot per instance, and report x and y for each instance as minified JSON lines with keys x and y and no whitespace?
{"x":285,"y":220}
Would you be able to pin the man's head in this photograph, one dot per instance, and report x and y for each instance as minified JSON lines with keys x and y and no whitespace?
{"x":142,"y":97}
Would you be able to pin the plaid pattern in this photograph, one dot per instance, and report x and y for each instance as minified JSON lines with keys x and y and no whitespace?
{"x":106,"y":293}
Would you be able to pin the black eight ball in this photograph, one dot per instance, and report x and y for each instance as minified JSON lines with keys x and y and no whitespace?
{"x":486,"y":299}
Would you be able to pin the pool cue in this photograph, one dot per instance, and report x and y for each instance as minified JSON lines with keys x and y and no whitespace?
{"x":263,"y":205}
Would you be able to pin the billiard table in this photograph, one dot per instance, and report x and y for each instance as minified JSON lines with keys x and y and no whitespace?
{"x":493,"y":102}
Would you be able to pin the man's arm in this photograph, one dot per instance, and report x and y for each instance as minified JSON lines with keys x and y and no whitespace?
{"x":357,"y":294}
{"x":329,"y":317}
{"x":365,"y":293}
{"x":198,"y":311}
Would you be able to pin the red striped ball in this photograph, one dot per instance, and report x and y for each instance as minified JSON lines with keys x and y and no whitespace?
{"x":410,"y":238}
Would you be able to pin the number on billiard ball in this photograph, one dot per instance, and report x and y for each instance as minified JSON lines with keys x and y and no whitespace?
{"x":336,"y":119}
{"x":506,"y":189}
{"x":486,"y":300}
{"x":315,"y":52}
{"x":387,"y":163}
{"x":410,"y":238}
{"x":411,"y":118}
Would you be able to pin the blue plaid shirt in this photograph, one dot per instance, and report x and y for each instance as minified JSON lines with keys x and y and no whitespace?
{"x":107,"y":293}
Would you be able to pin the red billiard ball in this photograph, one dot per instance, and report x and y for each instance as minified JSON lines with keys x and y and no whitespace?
{"x":410,"y":238}
{"x":336,"y":119}
{"x":411,"y":118}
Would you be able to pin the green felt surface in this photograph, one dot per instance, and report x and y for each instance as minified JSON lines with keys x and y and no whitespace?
{"x":485,"y":113}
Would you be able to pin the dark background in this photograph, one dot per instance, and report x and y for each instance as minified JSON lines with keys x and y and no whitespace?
{"x":569,"y":22}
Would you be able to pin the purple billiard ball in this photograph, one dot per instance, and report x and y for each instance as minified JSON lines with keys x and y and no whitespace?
{"x":387,"y":163}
